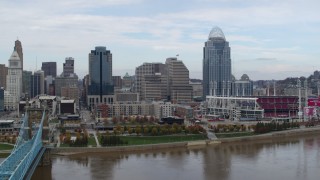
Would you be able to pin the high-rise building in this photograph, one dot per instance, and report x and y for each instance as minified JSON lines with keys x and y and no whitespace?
{"x":154,"y":87}
{"x":49,"y":69}
{"x":151,"y":81}
{"x":18,"y":48}
{"x":178,"y":88}
{"x":216,"y":65}
{"x":68,"y":67}
{"x":100,"y":76}
{"x":117,"y":82}
{"x":37,"y":84}
{"x":3,"y":75}
{"x":26,"y":82}
{"x":127,"y":81}
{"x":49,"y":85}
{"x":70,"y":93}
{"x":60,"y":82}
{"x":14,"y":78}
{"x":1,"y":99}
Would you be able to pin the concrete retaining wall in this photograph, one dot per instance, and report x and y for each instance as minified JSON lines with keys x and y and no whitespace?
{"x":273,"y":135}
{"x":71,"y":150}
{"x":196,"y":143}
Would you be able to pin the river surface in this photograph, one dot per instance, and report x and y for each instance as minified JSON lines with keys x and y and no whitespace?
{"x":288,"y":158}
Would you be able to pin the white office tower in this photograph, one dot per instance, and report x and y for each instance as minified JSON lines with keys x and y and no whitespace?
{"x":14,"y":78}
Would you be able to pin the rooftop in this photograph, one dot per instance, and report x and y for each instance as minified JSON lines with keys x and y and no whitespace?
{"x":216,"y":33}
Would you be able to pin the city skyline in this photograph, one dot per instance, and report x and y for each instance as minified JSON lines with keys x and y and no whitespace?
{"x":268,"y":39}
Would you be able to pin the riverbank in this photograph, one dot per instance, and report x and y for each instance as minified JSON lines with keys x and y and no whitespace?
{"x":272,"y":135}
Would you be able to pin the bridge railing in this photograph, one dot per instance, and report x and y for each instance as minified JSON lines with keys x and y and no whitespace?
{"x":20,"y":159}
{"x":24,"y":165}
{"x":22,"y":137}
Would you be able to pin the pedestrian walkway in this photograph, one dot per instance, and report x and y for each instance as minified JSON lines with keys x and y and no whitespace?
{"x":58,"y":139}
{"x":95,"y":137}
{"x":211,"y":135}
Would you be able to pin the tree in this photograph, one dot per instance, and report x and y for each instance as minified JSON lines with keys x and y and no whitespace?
{"x":132,"y":120}
{"x":114,"y":120}
{"x":145,"y":130}
{"x":138,"y":119}
{"x":172,"y":130}
{"x":67,"y":138}
{"x":175,"y":125}
{"x":138,"y":130}
{"x":130,"y":130}
{"x":154,"y":131}
{"x":152,"y":119}
{"x":144,"y":119}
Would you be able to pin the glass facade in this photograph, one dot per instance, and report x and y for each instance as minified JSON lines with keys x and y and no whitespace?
{"x":216,"y":65}
{"x":100,"y":72}
{"x":1,"y":99}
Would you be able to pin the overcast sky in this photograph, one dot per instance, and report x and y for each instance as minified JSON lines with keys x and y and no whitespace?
{"x":269,"y":39}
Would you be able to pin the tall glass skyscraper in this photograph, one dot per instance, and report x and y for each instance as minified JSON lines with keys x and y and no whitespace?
{"x":216,"y":65}
{"x":100,"y":73}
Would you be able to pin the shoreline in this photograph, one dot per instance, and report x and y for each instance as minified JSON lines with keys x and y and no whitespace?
{"x":272,"y":135}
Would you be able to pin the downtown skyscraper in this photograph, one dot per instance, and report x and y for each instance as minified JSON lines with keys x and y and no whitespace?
{"x":18,"y":48}
{"x":100,"y":88}
{"x":216,"y":65}
{"x":49,"y":69}
{"x":14,"y":79}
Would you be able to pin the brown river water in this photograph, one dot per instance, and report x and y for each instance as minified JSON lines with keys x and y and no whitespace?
{"x":288,"y":158}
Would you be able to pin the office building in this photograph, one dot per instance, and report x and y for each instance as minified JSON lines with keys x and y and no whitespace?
{"x":162,"y":109}
{"x":18,"y":48}
{"x":14,"y":77}
{"x":68,"y":67}
{"x":49,"y":85}
{"x":1,"y":99}
{"x":178,"y":86}
{"x":154,"y":87}
{"x":49,"y":69}
{"x":197,"y":89}
{"x":151,"y":81}
{"x":3,"y":75}
{"x":10,"y":101}
{"x":70,"y":93}
{"x":117,"y":82}
{"x":100,"y":87}
{"x":26,"y":82}
{"x":60,"y":82}
{"x":216,"y":65}
{"x":132,"y":108}
{"x":37,"y":84}
{"x":126,"y":97}
{"x":127,"y":82}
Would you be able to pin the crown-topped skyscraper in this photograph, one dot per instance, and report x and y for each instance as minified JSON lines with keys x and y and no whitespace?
{"x":216,"y":65}
{"x":18,"y":48}
{"x":14,"y":79}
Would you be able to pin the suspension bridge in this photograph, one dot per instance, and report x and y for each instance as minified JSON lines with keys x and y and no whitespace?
{"x":26,"y":153}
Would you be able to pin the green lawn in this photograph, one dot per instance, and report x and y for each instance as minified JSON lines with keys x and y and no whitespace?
{"x":140,"y":140}
{"x":92,"y":141}
{"x":234,"y":134}
{"x":6,"y":147}
{"x":64,"y":145}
